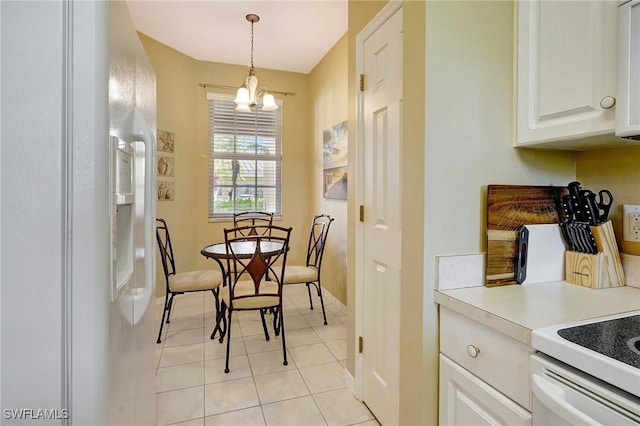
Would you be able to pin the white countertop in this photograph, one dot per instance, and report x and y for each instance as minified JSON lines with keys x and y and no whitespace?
{"x":515,"y":310}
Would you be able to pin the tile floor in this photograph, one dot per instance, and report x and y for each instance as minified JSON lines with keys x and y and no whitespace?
{"x":192,"y":388}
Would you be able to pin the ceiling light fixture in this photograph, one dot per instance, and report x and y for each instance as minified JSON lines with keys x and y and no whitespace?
{"x":249,"y":93}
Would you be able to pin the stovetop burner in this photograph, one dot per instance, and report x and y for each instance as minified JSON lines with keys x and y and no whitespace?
{"x":617,"y":338}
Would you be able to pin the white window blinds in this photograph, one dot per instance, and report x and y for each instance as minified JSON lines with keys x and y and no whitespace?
{"x":244,"y":159}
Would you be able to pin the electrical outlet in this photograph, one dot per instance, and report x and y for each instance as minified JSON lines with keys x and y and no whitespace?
{"x":631,"y":223}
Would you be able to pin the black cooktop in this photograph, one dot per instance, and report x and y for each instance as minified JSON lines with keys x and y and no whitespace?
{"x":617,"y":338}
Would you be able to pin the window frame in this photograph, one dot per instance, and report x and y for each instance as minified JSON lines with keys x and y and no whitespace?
{"x":213,"y":156}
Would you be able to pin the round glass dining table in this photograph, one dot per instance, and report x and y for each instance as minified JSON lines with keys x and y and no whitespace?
{"x":241,"y":249}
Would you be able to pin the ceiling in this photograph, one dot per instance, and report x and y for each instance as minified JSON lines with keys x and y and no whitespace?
{"x":292,"y":35}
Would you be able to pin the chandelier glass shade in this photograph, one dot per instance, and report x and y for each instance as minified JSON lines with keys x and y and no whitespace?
{"x":250,"y":93}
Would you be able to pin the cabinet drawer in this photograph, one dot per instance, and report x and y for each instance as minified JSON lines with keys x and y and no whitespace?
{"x":490,"y":355}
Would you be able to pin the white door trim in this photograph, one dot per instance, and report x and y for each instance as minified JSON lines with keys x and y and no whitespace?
{"x":387,"y":12}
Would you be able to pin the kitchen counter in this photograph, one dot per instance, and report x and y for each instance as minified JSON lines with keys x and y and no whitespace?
{"x":515,"y":310}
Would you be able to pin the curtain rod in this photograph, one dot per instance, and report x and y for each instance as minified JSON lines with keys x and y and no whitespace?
{"x":219,"y":86}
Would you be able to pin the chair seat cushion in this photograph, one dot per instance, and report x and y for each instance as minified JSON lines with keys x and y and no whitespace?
{"x":266,"y":298}
{"x":300,"y":274}
{"x":195,"y":281}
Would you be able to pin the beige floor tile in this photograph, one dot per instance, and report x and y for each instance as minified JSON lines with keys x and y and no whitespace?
{"x":193,"y":311}
{"x":238,"y":368}
{"x":330,"y":333}
{"x":179,"y":405}
{"x":247,"y":417}
{"x":373,"y":422}
{"x":180,"y":376}
{"x":229,"y":396}
{"x":279,"y":386}
{"x":183,"y":337}
{"x":195,"y":422}
{"x":213,"y":349}
{"x":305,"y":356}
{"x":181,"y":355}
{"x":303,"y":336}
{"x":270,"y":362}
{"x":315,"y":319}
{"x":338,"y":348}
{"x":293,"y":412}
{"x":181,"y":301}
{"x":253,"y":327}
{"x":257,"y":343}
{"x":178,"y":324}
{"x":295,"y":322}
{"x":325,"y":377}
{"x":339,"y":407}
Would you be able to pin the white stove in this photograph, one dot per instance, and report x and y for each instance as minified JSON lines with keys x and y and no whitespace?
{"x":608,"y":351}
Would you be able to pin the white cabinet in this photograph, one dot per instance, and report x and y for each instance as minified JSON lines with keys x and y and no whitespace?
{"x":467,"y":400}
{"x":566,"y":73}
{"x":628,"y":104}
{"x":484,"y":374}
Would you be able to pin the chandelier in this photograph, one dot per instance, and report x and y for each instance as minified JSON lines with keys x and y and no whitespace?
{"x":249,"y":93}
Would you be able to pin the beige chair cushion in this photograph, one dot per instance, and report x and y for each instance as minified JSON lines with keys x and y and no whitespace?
{"x":267,"y":297}
{"x":195,"y":281}
{"x":300,"y":274}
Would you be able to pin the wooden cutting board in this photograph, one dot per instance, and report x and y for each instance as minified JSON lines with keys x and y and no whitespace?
{"x":508,"y":208}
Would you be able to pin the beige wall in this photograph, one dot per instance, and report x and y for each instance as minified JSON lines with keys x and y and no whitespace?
{"x":183,"y":109}
{"x":328,"y":91}
{"x":618,"y":171}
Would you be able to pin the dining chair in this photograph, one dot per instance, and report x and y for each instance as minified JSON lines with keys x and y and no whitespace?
{"x":249,"y":258}
{"x":309,"y":273}
{"x":181,"y":282}
{"x":251,"y":220}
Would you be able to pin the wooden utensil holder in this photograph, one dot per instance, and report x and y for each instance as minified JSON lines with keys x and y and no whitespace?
{"x":601,"y":270}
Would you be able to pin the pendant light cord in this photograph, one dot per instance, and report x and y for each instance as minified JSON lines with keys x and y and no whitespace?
{"x":251,"y":45}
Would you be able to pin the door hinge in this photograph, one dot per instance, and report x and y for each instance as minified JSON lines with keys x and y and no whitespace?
{"x":362,"y":82}
{"x":360,"y":344}
{"x":361,"y":213}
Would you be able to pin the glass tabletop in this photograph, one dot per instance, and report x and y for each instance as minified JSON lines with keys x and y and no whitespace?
{"x":241,"y":249}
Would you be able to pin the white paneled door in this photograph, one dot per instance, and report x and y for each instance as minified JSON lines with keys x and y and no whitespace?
{"x":382,"y":230}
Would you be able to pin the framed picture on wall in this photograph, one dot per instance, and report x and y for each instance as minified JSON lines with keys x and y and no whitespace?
{"x":166,"y":190}
{"x":166,"y":141}
{"x":334,"y":161}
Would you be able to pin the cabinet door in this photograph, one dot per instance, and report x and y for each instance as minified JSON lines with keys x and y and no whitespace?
{"x":566,"y":70}
{"x":467,"y":400}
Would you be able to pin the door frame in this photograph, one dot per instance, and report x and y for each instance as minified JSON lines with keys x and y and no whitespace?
{"x":387,"y":12}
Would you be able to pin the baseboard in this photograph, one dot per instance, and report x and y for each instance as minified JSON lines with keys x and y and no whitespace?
{"x":349,"y":381}
{"x":330,"y":297}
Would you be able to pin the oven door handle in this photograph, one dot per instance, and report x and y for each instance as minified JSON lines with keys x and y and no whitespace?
{"x":553,"y":397}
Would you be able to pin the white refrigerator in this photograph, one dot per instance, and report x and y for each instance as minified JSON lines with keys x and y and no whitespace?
{"x":77,"y":216}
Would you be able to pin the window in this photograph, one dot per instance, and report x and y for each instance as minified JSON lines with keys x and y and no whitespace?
{"x":244,"y":159}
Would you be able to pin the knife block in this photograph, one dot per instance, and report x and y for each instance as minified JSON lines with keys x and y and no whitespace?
{"x":601,"y":270}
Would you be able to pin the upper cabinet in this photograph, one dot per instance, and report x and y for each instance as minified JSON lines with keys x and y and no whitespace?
{"x":566,"y":74}
{"x":628,"y":105}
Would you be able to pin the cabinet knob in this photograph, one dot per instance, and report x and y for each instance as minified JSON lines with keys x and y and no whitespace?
{"x":473,"y":351}
{"x":607,"y":102}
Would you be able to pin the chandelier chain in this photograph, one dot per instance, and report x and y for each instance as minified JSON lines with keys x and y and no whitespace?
{"x":251,"y":44}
